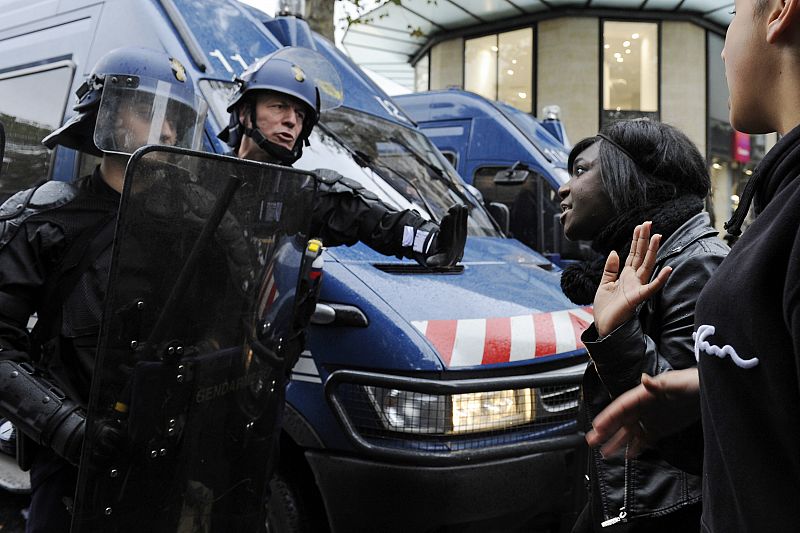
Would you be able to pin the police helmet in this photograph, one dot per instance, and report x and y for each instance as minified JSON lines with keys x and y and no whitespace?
{"x":133,"y":97}
{"x":297,"y":72}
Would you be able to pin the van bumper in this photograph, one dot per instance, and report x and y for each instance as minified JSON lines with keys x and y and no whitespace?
{"x":494,"y":495}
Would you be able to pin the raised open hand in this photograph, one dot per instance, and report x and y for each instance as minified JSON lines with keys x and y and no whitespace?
{"x":621,"y":292}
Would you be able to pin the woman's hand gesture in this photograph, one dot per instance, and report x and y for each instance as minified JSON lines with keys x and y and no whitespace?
{"x":620,"y":293}
{"x":665,"y":404}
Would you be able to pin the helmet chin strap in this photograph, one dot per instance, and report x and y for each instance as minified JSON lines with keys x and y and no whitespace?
{"x":283,"y":155}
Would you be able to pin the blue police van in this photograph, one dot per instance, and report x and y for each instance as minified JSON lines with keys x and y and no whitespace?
{"x":425,"y":401}
{"x":515,"y":161}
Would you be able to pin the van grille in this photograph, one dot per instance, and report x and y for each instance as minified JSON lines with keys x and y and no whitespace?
{"x":561,"y":399}
{"x":392,"y":418}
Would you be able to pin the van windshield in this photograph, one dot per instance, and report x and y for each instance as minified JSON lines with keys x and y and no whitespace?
{"x":405,"y":159}
{"x":397,"y":163}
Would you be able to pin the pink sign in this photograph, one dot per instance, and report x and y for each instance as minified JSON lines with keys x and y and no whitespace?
{"x":741,"y":147}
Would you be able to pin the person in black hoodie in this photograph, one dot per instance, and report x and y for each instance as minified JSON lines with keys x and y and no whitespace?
{"x":747,"y":320}
{"x":632,"y":172}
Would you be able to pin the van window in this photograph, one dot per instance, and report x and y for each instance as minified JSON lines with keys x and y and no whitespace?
{"x":32,"y":102}
{"x":407,"y":160}
{"x":483,"y":180}
{"x":533,"y":205}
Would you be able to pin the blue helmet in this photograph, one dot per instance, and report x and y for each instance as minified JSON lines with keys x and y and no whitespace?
{"x":290,"y":71}
{"x":128,"y":82}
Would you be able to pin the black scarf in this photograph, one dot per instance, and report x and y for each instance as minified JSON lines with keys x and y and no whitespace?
{"x":581,"y":280}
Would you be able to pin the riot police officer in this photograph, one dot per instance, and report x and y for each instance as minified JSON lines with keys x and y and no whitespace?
{"x":276,"y":105}
{"x":55,"y":251}
{"x":274,"y":109}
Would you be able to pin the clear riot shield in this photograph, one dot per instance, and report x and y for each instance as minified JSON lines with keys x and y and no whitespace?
{"x":194,"y":345}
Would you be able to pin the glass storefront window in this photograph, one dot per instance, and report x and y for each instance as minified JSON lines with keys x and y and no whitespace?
{"x":630,"y":68}
{"x":515,"y":62}
{"x":500,"y":67}
{"x":422,"y":74}
{"x":480,"y":66}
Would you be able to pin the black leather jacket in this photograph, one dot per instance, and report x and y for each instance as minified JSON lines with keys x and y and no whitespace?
{"x":657,"y":340}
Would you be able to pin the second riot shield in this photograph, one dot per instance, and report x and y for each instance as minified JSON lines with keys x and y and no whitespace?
{"x":199,"y":332}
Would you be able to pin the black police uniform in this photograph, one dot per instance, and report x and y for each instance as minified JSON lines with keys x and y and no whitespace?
{"x":39,"y":228}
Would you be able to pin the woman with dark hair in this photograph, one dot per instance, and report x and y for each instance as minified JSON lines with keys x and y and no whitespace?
{"x":637,"y":178}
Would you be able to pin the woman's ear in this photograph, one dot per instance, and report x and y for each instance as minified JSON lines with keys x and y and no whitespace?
{"x":784,"y":17}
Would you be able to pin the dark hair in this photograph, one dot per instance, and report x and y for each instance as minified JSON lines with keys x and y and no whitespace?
{"x":646,"y":162}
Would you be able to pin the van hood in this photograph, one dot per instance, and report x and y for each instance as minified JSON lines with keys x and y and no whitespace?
{"x":478,"y":316}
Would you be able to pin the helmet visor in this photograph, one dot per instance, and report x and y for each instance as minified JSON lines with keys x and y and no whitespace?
{"x":136,"y":111}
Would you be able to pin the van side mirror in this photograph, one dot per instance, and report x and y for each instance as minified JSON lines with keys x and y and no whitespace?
{"x":516,"y":174}
{"x":502,"y":215}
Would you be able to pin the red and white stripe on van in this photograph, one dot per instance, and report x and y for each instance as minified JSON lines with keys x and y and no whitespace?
{"x":485,"y":341}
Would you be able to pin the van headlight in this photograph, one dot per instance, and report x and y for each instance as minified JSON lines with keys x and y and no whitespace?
{"x":415,"y":412}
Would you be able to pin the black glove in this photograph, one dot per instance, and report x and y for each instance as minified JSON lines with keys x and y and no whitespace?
{"x":108,"y":439}
{"x":446,"y":246}
{"x":47,"y":416}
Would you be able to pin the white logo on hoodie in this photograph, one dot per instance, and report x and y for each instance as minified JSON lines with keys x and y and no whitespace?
{"x":701,"y":344}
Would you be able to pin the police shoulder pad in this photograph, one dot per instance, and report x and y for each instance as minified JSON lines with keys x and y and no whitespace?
{"x":48,"y":195}
{"x":15,"y":204}
{"x":52,"y":194}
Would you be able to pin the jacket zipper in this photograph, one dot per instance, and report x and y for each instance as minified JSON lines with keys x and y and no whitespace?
{"x":623,"y":514}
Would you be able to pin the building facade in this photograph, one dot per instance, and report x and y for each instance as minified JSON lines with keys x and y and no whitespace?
{"x":597,"y":63}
